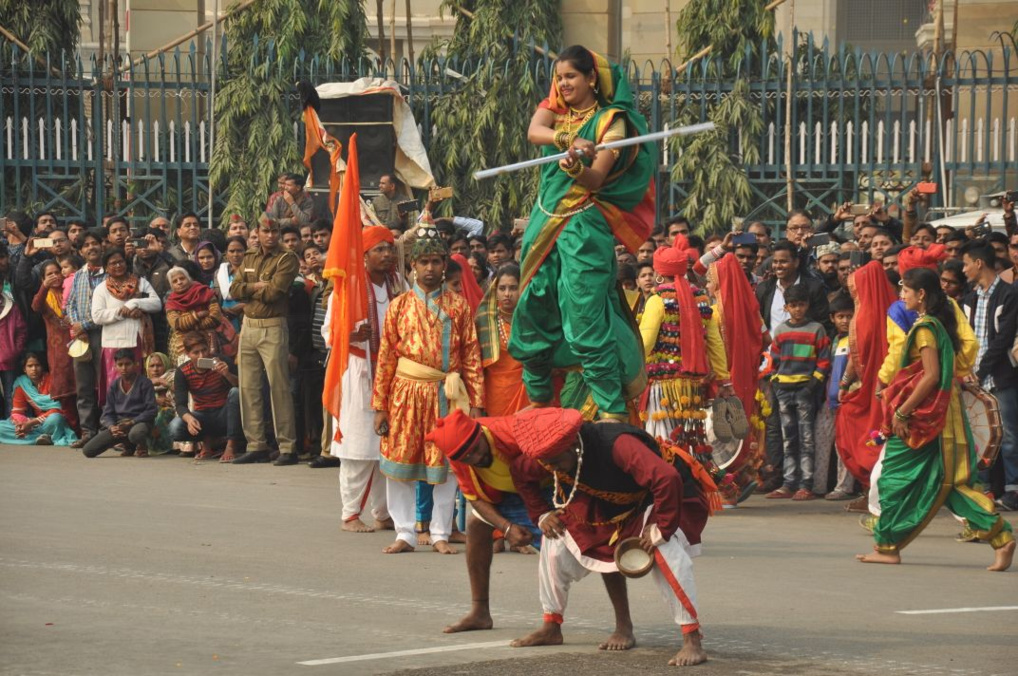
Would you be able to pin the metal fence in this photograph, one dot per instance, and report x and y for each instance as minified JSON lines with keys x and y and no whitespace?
{"x":135,"y":141}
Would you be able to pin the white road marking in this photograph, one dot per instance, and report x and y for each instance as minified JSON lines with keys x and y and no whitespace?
{"x":405,"y":653}
{"x":944,"y":611}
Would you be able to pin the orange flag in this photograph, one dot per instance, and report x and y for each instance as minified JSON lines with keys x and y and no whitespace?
{"x":316,"y":138}
{"x":345,"y":264}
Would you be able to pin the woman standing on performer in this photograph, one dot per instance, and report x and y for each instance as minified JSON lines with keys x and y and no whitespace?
{"x":570,"y":313}
{"x":927,"y":456}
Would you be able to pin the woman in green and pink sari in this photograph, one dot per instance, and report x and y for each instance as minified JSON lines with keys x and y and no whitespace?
{"x":928,"y":453}
{"x":570,"y":314}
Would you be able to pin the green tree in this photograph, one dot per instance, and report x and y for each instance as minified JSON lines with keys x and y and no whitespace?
{"x":710,"y":165}
{"x":483,"y":121}
{"x":254,"y":110}
{"x":46,"y":26}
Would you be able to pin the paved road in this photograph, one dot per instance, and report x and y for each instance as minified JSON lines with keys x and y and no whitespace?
{"x":160,"y":566}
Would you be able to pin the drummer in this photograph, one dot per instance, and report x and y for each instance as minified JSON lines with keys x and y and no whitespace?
{"x":610,"y":484}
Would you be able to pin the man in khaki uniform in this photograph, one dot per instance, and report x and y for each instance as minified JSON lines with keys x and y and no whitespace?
{"x":384,"y":205}
{"x":263,"y":284}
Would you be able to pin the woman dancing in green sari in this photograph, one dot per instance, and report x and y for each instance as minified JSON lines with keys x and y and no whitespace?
{"x":928,"y":454}
{"x":570,"y":314}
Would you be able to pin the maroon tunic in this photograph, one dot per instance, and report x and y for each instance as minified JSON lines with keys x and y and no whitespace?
{"x":597,"y":518}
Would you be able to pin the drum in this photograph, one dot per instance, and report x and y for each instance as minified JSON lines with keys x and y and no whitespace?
{"x":984,"y":420}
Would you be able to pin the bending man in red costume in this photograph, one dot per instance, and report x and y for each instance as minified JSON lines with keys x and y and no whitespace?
{"x":611,"y":482}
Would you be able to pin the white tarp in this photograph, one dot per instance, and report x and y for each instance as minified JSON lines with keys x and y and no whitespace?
{"x":412,"y":165}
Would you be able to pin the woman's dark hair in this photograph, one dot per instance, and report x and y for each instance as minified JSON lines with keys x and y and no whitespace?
{"x":580,"y":57}
{"x":957,"y":268}
{"x":45,"y":264}
{"x":452,"y":268}
{"x":937,"y":303}
{"x":107,"y":255}
{"x":238,"y":239}
{"x":482,"y":263}
{"x":508,"y":269}
{"x":23,"y":362}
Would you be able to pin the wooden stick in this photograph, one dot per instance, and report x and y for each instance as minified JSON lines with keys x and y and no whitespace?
{"x":23,"y":47}
{"x":229,"y":14}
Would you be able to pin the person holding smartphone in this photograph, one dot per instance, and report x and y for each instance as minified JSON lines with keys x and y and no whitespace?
{"x":212,"y":386}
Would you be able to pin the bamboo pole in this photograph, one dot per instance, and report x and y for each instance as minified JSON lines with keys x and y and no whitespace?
{"x":229,"y":14}
{"x":392,"y":37}
{"x":23,"y":47}
{"x":380,"y":19}
{"x":409,"y":33}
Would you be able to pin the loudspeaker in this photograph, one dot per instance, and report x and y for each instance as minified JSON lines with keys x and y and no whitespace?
{"x":370,"y":117}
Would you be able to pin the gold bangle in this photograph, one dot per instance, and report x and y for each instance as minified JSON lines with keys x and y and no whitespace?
{"x":575,"y":170}
{"x":561,"y":139}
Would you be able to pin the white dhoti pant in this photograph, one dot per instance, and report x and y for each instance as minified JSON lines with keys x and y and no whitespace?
{"x":561,"y":564}
{"x":362,"y":489}
{"x":402,"y":499}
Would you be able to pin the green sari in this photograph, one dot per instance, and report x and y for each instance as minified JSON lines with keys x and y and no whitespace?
{"x":571,"y":315}
{"x":932,"y":468}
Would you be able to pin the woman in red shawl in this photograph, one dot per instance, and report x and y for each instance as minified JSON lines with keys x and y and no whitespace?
{"x":860,"y":413}
{"x":684,"y":352}
{"x":191,"y":306}
{"x":467,"y":284}
{"x":48,"y":302}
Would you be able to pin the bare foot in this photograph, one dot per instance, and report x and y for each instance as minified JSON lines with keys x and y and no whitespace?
{"x":877,"y":557}
{"x":458,"y":537}
{"x":692,"y":652}
{"x":620,"y":640}
{"x":525,"y":549}
{"x":443,"y":547}
{"x":357,"y":526}
{"x":1003,"y":558}
{"x":475,"y":620}
{"x":550,"y":633}
{"x":397,"y":547}
{"x":227,"y":456}
{"x":498,"y":546}
{"x":423,"y":539}
{"x":384,"y":524}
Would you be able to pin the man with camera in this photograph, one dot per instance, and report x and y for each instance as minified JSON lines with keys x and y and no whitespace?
{"x":215,"y":398}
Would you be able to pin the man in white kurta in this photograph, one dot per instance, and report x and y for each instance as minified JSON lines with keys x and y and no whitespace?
{"x":361,"y":484}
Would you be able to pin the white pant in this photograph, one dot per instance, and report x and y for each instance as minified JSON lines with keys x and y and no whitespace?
{"x":402,"y":497}
{"x":362,"y":488}
{"x":559,"y":567}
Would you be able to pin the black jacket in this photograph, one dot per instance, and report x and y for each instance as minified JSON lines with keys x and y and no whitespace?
{"x":819,"y":309}
{"x":1003,"y":315}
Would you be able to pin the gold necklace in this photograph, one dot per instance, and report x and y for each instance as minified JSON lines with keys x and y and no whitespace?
{"x":581,"y":117}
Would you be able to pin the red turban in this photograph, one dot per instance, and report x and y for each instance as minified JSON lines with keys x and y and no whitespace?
{"x":455,"y":434}
{"x":673,"y":262}
{"x":914,"y":257}
{"x":544,"y":433}
{"x":376,"y":234}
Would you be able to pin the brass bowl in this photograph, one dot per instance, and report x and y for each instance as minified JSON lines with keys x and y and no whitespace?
{"x":631,"y":560}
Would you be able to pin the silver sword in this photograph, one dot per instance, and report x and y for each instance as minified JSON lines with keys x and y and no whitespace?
{"x":624,"y":143}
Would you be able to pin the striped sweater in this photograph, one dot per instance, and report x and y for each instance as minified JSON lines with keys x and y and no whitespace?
{"x":797,"y":354}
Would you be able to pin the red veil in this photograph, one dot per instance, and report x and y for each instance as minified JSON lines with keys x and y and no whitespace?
{"x":860,"y":413}
{"x":741,"y":327}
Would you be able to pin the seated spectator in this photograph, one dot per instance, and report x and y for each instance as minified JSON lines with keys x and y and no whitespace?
{"x":159,"y":370}
{"x":207,"y":257}
{"x":232,"y":309}
{"x":121,"y":305}
{"x":191,"y":306}
{"x":130,"y":410}
{"x":212,"y":386}
{"x":36,"y":418}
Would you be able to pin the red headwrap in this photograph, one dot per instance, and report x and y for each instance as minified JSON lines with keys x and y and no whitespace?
{"x":914,"y":257}
{"x":673,"y":262}
{"x":374,"y":235}
{"x":455,"y":434}
{"x":471,"y":290}
{"x":544,"y":433}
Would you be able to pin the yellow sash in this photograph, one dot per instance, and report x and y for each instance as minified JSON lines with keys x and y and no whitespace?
{"x":455,"y":390}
